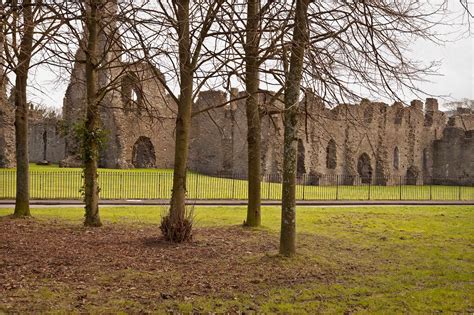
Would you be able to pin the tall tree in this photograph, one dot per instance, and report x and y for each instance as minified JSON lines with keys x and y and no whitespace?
{"x":22,"y":201}
{"x":92,"y":130}
{"x":101,"y":54}
{"x":108,"y":52}
{"x":254,"y":134}
{"x":188,"y":60}
{"x":344,"y":51}
{"x":292,"y":101}
{"x":183,"y":124}
{"x":27,"y":27}
{"x":187,"y":25}
{"x":257,"y":29}
{"x":21,"y":42}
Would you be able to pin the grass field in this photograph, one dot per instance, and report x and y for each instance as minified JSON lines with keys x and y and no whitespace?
{"x":52,"y":182}
{"x":360,"y":260}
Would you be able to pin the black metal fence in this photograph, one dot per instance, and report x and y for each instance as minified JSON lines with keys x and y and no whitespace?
{"x":154,"y":184}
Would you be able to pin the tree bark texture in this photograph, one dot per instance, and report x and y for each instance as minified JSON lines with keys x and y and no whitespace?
{"x":92,"y":122}
{"x":253,"y":114}
{"x":22,"y":203}
{"x":183,"y":121}
{"x":291,"y":100}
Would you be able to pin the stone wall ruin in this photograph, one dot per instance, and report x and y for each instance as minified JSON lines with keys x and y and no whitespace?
{"x":368,"y":143}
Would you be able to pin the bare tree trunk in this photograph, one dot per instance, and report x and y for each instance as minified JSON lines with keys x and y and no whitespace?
{"x":22,"y":203}
{"x":183,"y":121}
{"x":92,"y":123}
{"x":253,"y":114}
{"x":292,"y":92}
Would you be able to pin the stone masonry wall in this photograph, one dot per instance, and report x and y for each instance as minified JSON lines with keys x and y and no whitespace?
{"x":453,"y":157}
{"x":133,"y":110}
{"x":45,"y":141}
{"x":370,"y":142}
{"x":392,"y":143}
{"x":136,"y":113}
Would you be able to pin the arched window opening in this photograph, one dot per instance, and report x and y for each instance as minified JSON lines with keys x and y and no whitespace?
{"x":364,"y":168}
{"x":396,"y":158}
{"x":331,"y":155}
{"x":143,"y":155}
{"x":132,"y":94}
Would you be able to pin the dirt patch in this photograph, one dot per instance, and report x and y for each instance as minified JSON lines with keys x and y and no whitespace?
{"x":83,"y":267}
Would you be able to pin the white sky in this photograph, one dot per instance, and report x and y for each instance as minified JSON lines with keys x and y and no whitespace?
{"x":454,"y":82}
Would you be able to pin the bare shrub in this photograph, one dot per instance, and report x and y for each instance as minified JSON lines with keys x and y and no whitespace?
{"x":178,"y":229}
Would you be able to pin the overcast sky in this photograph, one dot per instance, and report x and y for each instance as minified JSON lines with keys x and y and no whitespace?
{"x":454,"y":82}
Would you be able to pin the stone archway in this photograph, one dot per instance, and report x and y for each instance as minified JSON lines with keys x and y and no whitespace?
{"x":364,"y":168}
{"x":143,"y":155}
{"x":412,"y":175}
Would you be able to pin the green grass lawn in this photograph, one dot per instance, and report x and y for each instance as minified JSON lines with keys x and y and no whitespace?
{"x":365,"y":260}
{"x":52,"y":182}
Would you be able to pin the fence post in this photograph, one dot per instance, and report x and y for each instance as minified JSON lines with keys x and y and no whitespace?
{"x":233,"y":185}
{"x":304,"y":183}
{"x":196,"y":186}
{"x":460,"y":197}
{"x":400,"y":186}
{"x":370,"y":182}
{"x":40,"y":181}
{"x":268,"y":187}
{"x":121,"y":192}
{"x":431,"y":191}
{"x":337,"y":187}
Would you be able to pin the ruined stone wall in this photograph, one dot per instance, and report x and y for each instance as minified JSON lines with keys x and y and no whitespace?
{"x":147,"y":117}
{"x":136,"y":113}
{"x":387,"y":141}
{"x":369,"y":143}
{"x":364,"y":143}
{"x":137,"y":116}
{"x":463,"y":118}
{"x":211,"y":135}
{"x":74,"y":105}
{"x":45,"y":141}
{"x":219,"y":136}
{"x":453,"y":157}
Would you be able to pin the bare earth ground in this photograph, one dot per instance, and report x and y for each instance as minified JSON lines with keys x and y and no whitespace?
{"x":92,"y":267}
{"x":387,"y":260}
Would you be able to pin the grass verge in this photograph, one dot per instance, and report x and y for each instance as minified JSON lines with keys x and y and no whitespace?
{"x":52,"y":182}
{"x":351,"y":260}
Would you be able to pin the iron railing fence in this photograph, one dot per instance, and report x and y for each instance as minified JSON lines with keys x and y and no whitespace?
{"x":154,"y":184}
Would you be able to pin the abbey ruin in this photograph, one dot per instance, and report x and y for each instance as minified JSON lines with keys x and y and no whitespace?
{"x":374,"y":142}
{"x":369,"y":142}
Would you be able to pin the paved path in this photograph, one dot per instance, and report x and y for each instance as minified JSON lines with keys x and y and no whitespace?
{"x":78,"y":203}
